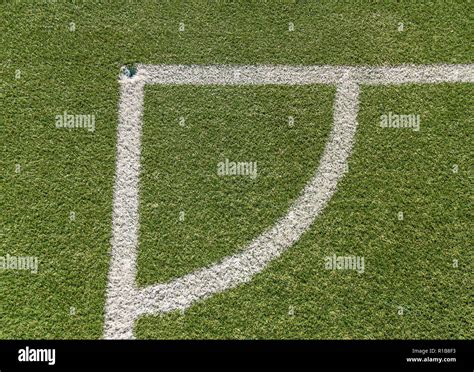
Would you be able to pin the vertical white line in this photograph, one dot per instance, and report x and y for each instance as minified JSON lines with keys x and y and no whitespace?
{"x":121,"y":300}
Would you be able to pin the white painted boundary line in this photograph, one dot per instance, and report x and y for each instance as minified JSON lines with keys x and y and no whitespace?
{"x":125,"y":301}
{"x":302,"y":75}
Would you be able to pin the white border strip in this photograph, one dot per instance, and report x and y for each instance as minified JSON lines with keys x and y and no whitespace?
{"x":302,"y":75}
{"x":125,"y":301}
{"x":122,"y":290}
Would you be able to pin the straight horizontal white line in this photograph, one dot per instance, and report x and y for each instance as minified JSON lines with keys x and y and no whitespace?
{"x":302,"y":75}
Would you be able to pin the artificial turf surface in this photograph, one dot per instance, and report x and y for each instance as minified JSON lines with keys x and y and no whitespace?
{"x":409,"y":263}
{"x":179,"y":168}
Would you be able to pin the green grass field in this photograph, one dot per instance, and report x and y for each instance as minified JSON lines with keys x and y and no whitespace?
{"x":69,"y":56}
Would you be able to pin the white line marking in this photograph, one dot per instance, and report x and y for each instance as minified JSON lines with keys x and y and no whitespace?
{"x":301,"y":75}
{"x":122,"y":289}
{"x":125,"y":301}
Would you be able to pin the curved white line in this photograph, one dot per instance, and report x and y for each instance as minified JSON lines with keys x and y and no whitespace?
{"x":239,"y":268}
